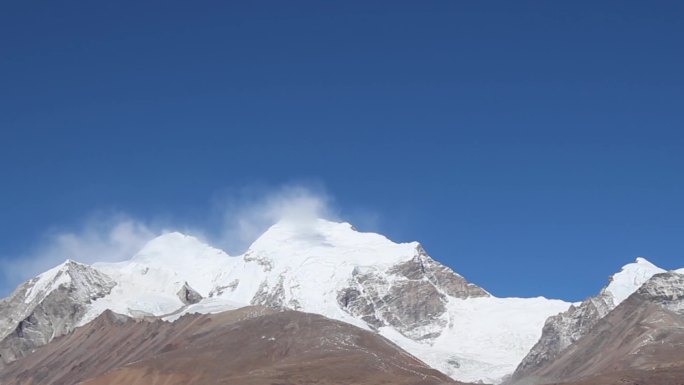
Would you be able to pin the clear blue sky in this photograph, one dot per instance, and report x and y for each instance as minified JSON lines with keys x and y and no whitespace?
{"x":533,"y":146}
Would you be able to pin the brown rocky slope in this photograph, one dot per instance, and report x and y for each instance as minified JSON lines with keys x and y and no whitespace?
{"x":251,"y":346}
{"x":640,"y":342}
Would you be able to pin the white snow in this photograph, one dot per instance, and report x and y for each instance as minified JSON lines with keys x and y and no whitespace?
{"x":486,"y":338}
{"x":630,"y":278}
{"x":148,"y":284}
{"x":313,"y":261}
{"x":310,"y":262}
{"x":295,"y":242}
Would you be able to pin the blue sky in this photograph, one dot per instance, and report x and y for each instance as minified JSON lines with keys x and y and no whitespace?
{"x":535,"y":147}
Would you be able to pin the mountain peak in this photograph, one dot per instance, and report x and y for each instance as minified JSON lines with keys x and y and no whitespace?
{"x":69,"y":272}
{"x":173,"y":238}
{"x":174,"y":248}
{"x":630,"y":278}
{"x":311,"y":223}
{"x":325,"y":238}
{"x":61,"y":270}
{"x":644,"y":262}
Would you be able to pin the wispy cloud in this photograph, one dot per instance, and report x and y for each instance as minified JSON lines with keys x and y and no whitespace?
{"x":101,"y":237}
{"x":247,"y":213}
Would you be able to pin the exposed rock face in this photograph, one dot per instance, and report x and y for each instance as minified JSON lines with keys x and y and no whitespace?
{"x":637,"y":335}
{"x":666,"y":290}
{"x":275,"y":296}
{"x":188,"y":295}
{"x":643,"y":333}
{"x":410,"y":296}
{"x":406,"y":304}
{"x":562,"y":330}
{"x":48,"y":306}
{"x":218,"y":290}
{"x":440,"y":276}
{"x":274,"y":348}
{"x":264,"y":262}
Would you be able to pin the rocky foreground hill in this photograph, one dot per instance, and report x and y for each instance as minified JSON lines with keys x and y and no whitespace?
{"x":252,"y":345}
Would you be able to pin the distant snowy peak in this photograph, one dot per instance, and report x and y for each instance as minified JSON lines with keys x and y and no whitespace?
{"x":177,"y":254}
{"x":630,"y":278}
{"x":178,"y":250}
{"x":171,"y":271}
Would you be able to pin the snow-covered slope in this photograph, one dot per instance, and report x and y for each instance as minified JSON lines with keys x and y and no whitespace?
{"x":303,"y":266}
{"x":332,"y":269}
{"x":485,"y":338}
{"x":154,"y":280}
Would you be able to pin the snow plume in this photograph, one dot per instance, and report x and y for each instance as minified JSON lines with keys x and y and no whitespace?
{"x":247,"y":213}
{"x":235,"y":219}
{"x":100,"y":238}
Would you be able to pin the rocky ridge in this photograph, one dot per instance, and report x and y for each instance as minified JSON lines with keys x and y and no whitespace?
{"x":48,"y":306}
{"x":641,"y":337}
{"x":562,"y":330}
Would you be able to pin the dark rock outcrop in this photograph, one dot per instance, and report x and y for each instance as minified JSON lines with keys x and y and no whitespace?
{"x":410,"y":296}
{"x":449,"y":282}
{"x":188,"y":295}
{"x":274,"y":296}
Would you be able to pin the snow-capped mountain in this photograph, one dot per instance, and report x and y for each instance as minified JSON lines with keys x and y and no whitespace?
{"x":562,"y":330}
{"x":318,"y":266}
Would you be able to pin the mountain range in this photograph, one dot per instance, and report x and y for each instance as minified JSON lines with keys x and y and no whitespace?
{"x":386,"y":298}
